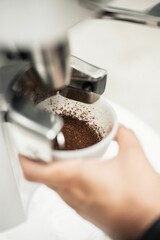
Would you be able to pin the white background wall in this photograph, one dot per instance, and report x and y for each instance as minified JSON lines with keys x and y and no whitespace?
{"x":131,"y":55}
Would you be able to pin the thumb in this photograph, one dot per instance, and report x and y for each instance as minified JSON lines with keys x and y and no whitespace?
{"x":127,"y":139}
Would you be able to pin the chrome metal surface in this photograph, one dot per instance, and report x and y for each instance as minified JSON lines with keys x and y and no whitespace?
{"x":149,"y":16}
{"x":21,"y":112}
{"x":51,"y":62}
{"x":87,"y":83}
{"x":60,"y":140}
{"x":79,"y":95}
{"x":36,"y":129}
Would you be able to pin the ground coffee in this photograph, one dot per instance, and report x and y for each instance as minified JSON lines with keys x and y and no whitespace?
{"x":78,"y":134}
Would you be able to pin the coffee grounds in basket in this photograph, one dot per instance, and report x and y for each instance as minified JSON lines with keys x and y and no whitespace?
{"x":78,"y":134}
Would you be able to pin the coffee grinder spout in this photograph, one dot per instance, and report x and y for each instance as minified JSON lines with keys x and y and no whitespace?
{"x":87,"y":83}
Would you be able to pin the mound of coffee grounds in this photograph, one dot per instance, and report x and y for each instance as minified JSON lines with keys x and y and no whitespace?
{"x":78,"y":134}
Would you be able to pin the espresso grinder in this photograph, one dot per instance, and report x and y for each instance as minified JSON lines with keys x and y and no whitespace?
{"x":36,"y":63}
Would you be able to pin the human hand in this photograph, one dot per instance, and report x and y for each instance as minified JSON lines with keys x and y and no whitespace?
{"x":120,"y":196}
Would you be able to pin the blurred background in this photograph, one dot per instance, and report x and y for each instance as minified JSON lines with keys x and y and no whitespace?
{"x":131,"y":55}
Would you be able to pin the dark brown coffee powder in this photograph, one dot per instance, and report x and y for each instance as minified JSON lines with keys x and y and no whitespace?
{"x":78,"y":134}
